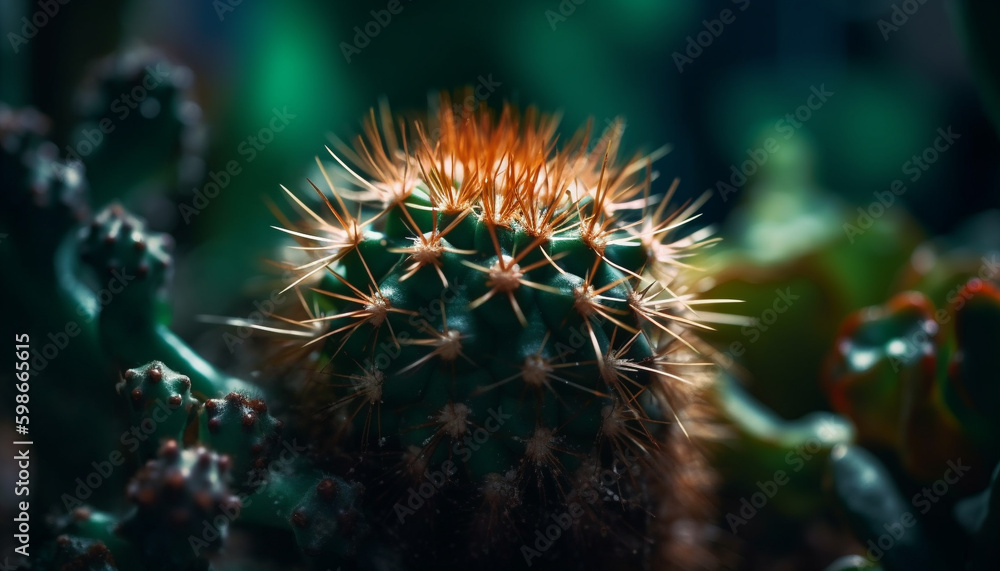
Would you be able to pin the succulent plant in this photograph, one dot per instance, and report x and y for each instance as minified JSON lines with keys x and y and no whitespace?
{"x":914,"y":376}
{"x":322,"y":511}
{"x":503,"y":321}
{"x":183,"y":507}
{"x":161,"y":397}
{"x":78,"y":554}
{"x":121,"y":274}
{"x":241,"y":427}
{"x":135,"y":109}
{"x":97,"y":527}
{"x":54,"y":191}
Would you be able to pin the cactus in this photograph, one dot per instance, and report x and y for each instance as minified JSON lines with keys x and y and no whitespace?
{"x":853,"y":563}
{"x":755,"y":443}
{"x":243,"y":428}
{"x":486,"y":308}
{"x":322,"y":511}
{"x":183,"y":507}
{"x":913,"y":378}
{"x":866,"y":493}
{"x":99,"y":527}
{"x":80,"y":554}
{"x":152,"y":391}
{"x":54,"y":191}
{"x":136,"y":109}
{"x":183,"y":504}
{"x":124,"y":278}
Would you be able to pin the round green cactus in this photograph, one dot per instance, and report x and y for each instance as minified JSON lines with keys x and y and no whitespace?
{"x":512,"y":317}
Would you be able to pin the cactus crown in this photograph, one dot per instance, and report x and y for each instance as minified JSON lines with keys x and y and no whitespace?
{"x":477,"y":295}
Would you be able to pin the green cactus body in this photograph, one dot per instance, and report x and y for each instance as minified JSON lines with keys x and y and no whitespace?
{"x":162,"y":396}
{"x":866,"y":493}
{"x":493,"y":315}
{"x":151,"y":133}
{"x":241,"y":427}
{"x":757,"y":444}
{"x":100,"y":527}
{"x":182,"y":508}
{"x":322,"y":511}
{"x":122,"y":284}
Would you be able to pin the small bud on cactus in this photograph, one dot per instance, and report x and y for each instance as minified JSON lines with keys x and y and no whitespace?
{"x":160,"y":394}
{"x":515,"y":313}
{"x":241,"y":427}
{"x":116,"y":241}
{"x":182,"y":507}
